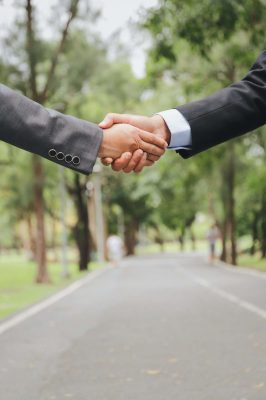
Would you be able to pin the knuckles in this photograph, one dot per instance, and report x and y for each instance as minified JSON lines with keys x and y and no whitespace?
{"x":134,"y":146}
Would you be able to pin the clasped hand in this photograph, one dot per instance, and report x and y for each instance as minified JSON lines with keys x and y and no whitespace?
{"x":132,"y":142}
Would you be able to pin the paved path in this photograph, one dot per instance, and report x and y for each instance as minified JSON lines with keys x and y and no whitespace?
{"x":156,"y":328}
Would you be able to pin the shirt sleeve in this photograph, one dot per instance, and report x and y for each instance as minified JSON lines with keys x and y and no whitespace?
{"x":179,"y":128}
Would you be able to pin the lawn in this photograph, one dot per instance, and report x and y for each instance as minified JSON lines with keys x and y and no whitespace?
{"x":17,"y":287}
{"x":244,"y":260}
{"x":174,"y":247}
{"x":252,"y":262}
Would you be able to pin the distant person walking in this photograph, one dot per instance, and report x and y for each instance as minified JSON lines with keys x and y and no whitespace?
{"x":115,"y":248}
{"x":212,"y":236}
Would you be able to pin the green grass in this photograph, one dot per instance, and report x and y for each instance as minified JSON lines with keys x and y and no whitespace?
{"x":174,"y":247}
{"x":17,"y":287}
{"x":243,"y":260}
{"x":252,"y":262}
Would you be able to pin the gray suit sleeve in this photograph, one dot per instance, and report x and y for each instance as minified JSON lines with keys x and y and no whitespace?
{"x":68,"y":141}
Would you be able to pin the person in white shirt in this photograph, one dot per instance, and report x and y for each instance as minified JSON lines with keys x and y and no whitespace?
{"x":115,"y":249}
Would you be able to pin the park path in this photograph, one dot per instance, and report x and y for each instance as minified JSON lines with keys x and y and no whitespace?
{"x":164,"y":327}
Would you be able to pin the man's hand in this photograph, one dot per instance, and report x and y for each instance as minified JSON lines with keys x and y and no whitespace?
{"x":155,"y":125}
{"x":124,"y":138}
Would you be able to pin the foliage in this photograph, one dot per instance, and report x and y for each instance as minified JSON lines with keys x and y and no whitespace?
{"x":196,"y":49}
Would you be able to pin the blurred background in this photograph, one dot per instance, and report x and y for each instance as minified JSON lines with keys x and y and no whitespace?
{"x":87,"y":58}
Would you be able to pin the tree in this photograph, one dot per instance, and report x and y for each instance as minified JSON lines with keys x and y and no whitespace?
{"x":226,"y":35}
{"x":33,"y":66}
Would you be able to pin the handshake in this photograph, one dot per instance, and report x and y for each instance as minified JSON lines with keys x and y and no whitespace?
{"x":132,"y":142}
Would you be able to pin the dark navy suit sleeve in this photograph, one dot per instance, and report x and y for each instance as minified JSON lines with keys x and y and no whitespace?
{"x":230,"y":112}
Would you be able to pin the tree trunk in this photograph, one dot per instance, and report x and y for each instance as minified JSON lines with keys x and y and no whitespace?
{"x":223,"y":256}
{"x":193,"y":239}
{"x":81,"y":230}
{"x":181,"y":242}
{"x":224,"y":224}
{"x":228,"y":198}
{"x":82,"y":239}
{"x":159,"y":239}
{"x":42,"y":272}
{"x":263,"y":226}
{"x":38,"y":176}
{"x":182,"y":238}
{"x":255,"y":235}
{"x":131,"y":229}
{"x":32,"y":239}
{"x":231,"y":205}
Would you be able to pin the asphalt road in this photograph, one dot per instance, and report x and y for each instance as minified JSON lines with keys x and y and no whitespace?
{"x":155,"y":328}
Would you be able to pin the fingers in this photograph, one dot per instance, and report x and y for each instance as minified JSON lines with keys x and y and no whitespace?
{"x":106,"y":161}
{"x":128,"y":162}
{"x":151,"y":149}
{"x":152,"y":144}
{"x":148,"y":163}
{"x":112,"y":118}
{"x":143,"y":163}
{"x":153,"y":139}
{"x":151,"y":157}
{"x":121,"y":162}
{"x":136,"y":158}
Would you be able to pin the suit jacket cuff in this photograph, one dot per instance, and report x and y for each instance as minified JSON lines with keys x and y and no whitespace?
{"x":79,"y":138}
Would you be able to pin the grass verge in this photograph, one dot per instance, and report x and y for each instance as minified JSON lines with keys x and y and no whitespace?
{"x":17,"y":287}
{"x":252,"y":262}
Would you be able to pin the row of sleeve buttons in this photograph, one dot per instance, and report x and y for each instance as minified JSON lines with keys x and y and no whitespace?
{"x":61,"y":156}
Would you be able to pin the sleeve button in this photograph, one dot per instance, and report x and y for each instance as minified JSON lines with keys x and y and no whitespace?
{"x":76,"y":160}
{"x":52,"y":153}
{"x":60,"y":156}
{"x":68,"y":158}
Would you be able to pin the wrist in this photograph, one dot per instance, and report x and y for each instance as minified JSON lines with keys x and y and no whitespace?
{"x":161,"y":128}
{"x":102,"y":148}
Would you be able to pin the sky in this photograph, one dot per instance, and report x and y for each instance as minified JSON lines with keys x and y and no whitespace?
{"x":116,"y":15}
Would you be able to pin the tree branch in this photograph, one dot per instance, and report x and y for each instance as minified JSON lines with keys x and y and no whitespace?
{"x":72,"y":14}
{"x":30,"y":47}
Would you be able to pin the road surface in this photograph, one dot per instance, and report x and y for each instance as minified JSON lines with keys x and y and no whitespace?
{"x":167,"y":327}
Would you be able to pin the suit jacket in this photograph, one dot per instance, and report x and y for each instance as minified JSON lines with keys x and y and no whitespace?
{"x":66,"y":140}
{"x":230,"y":112}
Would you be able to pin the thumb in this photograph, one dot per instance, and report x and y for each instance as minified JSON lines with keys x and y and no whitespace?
{"x":107,"y":122}
{"x":113,"y":118}
{"x":106,"y":161}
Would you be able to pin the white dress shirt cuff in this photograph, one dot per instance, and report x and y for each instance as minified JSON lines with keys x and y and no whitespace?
{"x":179,"y":128}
